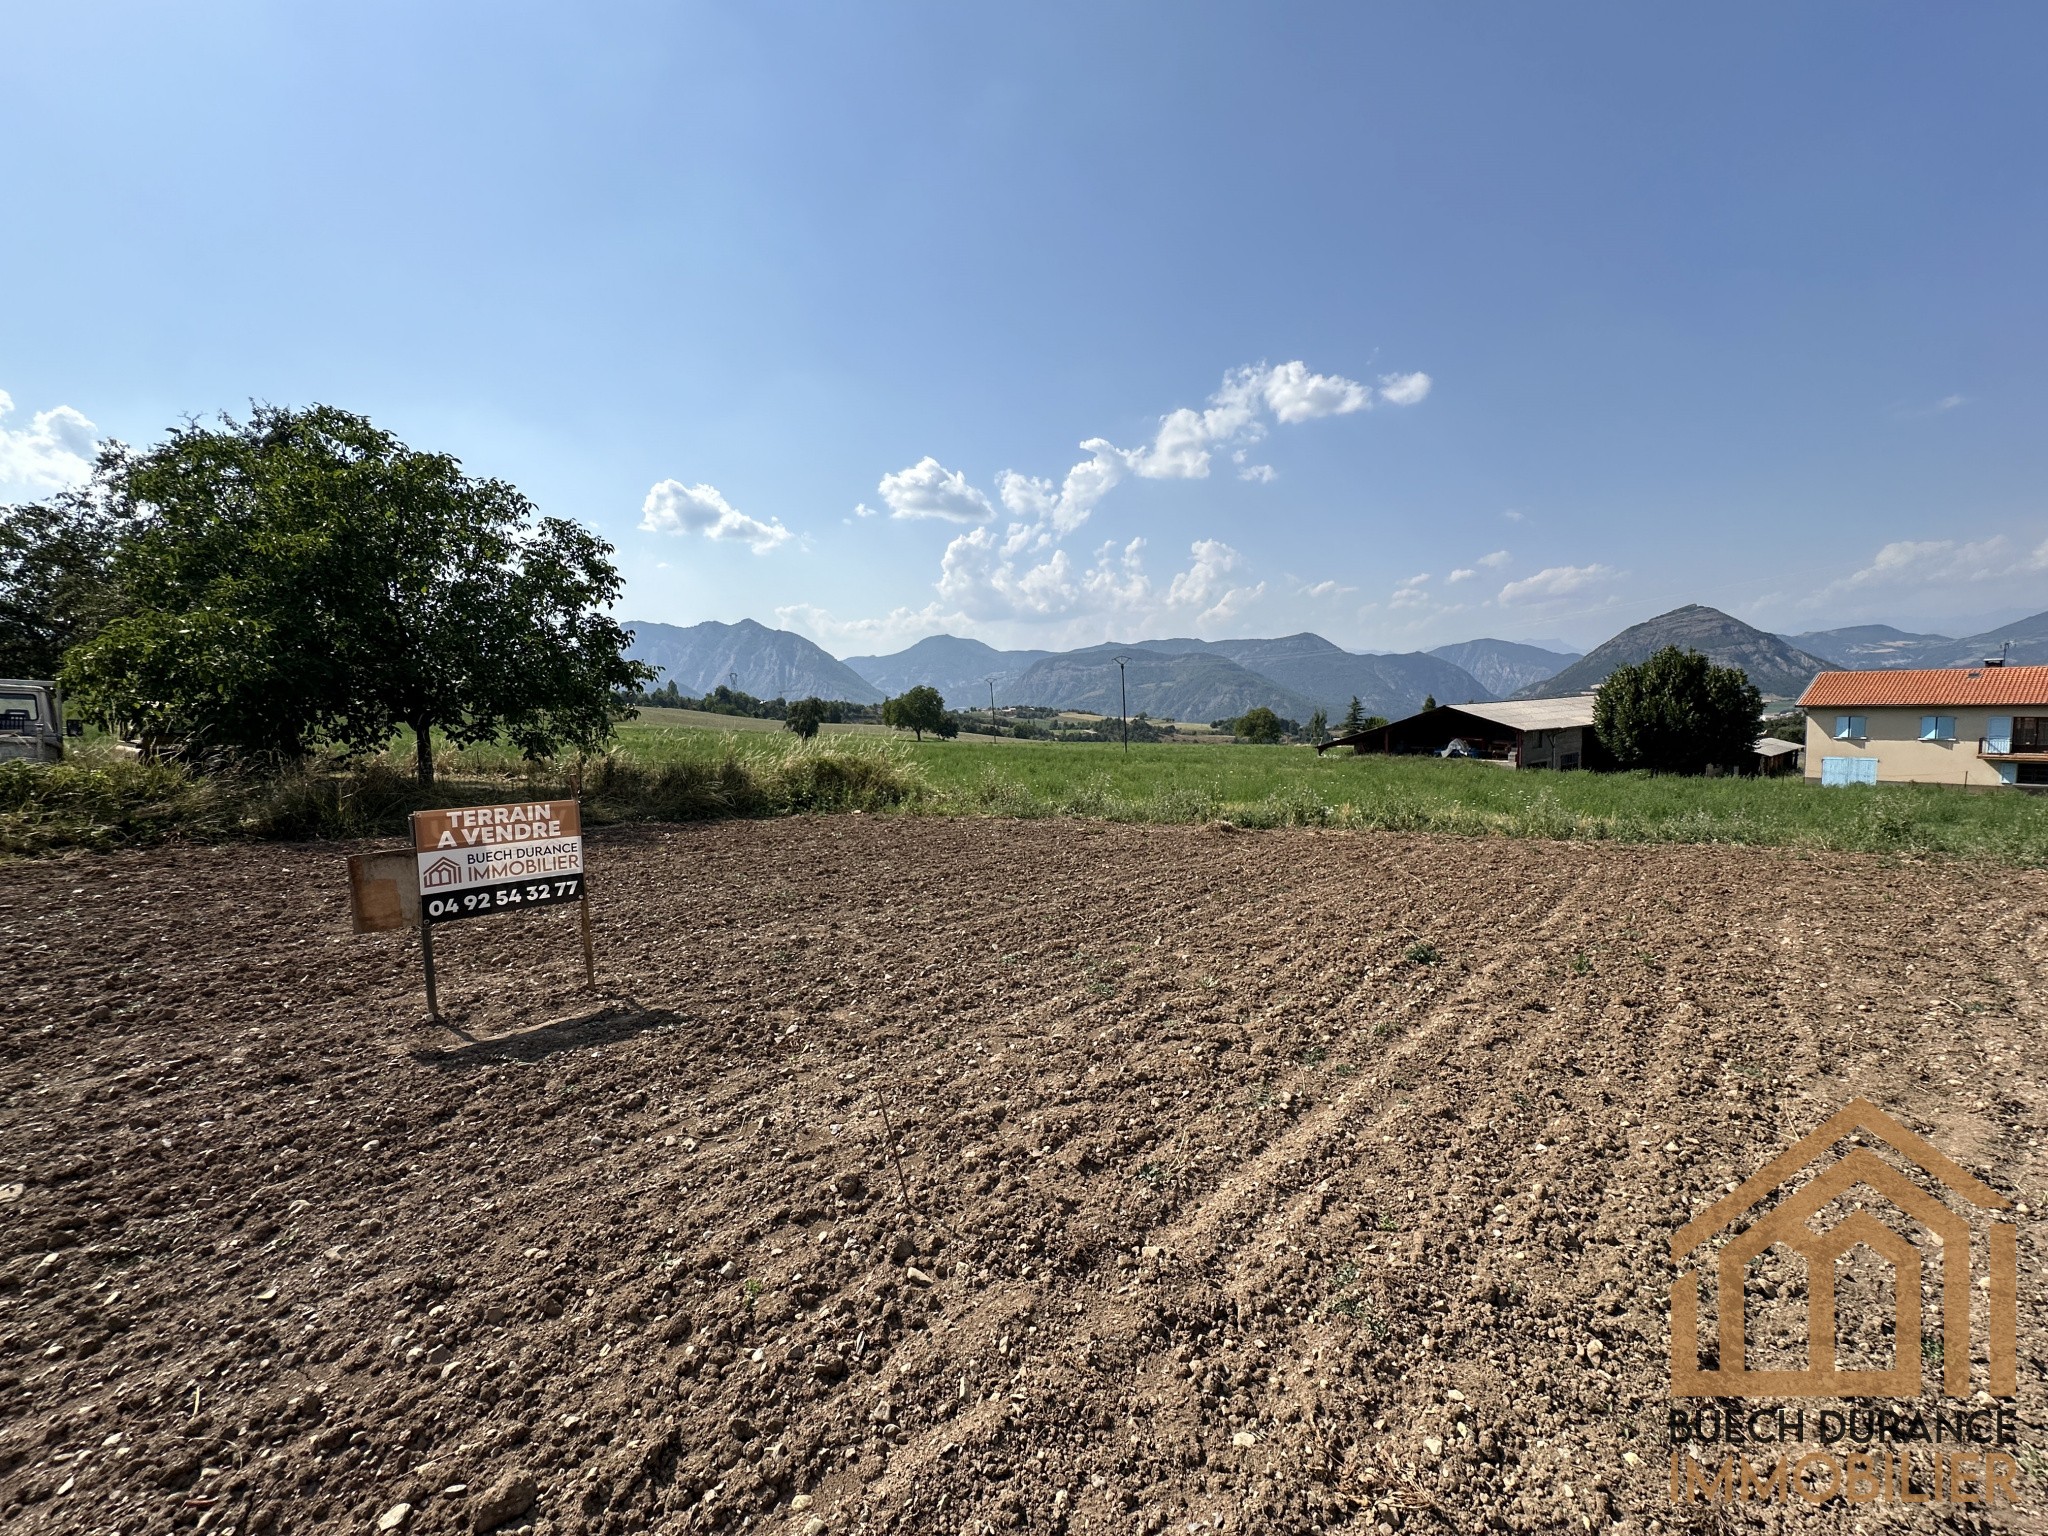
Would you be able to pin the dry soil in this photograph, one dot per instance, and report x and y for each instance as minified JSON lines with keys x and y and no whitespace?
{"x":1266,"y":1182}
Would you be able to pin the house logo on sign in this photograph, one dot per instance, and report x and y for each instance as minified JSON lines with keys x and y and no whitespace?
{"x":440,"y":872}
{"x":1915,"y":1233}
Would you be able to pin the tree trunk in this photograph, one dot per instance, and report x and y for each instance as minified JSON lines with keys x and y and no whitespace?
{"x":423,"y":750}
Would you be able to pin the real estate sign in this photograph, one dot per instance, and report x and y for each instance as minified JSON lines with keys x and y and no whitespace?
{"x":479,"y":859}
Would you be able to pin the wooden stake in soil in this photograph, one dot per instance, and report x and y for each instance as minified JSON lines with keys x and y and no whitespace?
{"x":902,"y":1183}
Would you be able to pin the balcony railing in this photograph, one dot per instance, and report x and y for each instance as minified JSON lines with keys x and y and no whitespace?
{"x":2016,"y":749}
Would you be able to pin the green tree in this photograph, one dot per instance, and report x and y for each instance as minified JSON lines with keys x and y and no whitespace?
{"x":57,"y":585}
{"x":948,"y":727}
{"x":1259,"y":724}
{"x":1319,"y":727}
{"x":303,"y":579}
{"x":1429,"y":701}
{"x":805,"y":716}
{"x":1354,"y":719}
{"x":919,"y":710}
{"x":1677,"y":713}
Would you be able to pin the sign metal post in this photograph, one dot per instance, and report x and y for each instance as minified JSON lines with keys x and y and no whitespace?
{"x":427,"y":957}
{"x":589,"y":954}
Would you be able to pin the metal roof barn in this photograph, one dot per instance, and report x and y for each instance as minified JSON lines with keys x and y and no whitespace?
{"x":1521,"y":733}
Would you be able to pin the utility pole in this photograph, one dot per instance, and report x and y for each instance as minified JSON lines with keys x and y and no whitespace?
{"x":991,"y":704}
{"x":1123,"y":703}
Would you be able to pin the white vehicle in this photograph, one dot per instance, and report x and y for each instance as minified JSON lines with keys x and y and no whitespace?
{"x":31,"y":720}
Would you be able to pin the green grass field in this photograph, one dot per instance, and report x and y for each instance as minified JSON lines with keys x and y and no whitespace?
{"x":661,"y":768}
{"x":1252,"y":786}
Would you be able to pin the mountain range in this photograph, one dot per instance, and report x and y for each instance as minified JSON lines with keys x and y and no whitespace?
{"x":1189,"y":679}
{"x":1504,"y":665}
{"x":960,"y":669}
{"x":1169,"y":684}
{"x":1879,"y":645}
{"x":1777,"y":667}
{"x":768,"y":663}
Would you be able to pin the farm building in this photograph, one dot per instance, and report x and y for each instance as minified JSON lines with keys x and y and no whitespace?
{"x":1530,"y":733}
{"x":1983,"y":725}
{"x":1770,"y":758}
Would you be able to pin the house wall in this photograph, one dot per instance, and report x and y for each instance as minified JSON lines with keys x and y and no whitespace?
{"x":1893,"y":738}
{"x":1546,"y":749}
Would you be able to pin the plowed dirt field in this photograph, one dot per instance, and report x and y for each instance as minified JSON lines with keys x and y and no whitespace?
{"x":1267,"y":1182}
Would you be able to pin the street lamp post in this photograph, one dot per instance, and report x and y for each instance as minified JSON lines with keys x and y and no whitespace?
{"x":1123,"y":704}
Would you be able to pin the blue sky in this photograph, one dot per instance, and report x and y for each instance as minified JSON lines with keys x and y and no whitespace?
{"x":1610,"y":308}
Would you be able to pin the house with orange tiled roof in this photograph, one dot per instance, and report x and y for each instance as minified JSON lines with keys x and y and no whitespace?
{"x":1983,"y":726}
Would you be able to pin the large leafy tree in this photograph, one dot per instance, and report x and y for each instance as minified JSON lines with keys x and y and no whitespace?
{"x":917,"y":710}
{"x":303,"y":578}
{"x":56,"y":579}
{"x":805,"y":716}
{"x":1259,"y":724}
{"x":1677,"y":712}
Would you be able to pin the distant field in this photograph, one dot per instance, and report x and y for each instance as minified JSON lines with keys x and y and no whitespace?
{"x":699,"y":720}
{"x":652,"y":721}
{"x":662,"y":769}
{"x":1256,"y":786}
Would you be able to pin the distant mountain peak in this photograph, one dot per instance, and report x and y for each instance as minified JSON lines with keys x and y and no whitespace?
{"x":1777,"y":667}
{"x":767,"y":663}
{"x":1506,"y":665}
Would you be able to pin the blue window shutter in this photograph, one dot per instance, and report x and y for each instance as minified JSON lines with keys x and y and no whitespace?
{"x":1998,"y":734}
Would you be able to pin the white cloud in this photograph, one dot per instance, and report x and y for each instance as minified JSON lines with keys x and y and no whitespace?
{"x":1915,"y":562}
{"x":674,"y":508}
{"x":983,"y":580}
{"x":1939,"y":407}
{"x":927,"y":489}
{"x":862,"y":509}
{"x":1924,"y":560}
{"x":2038,"y":561}
{"x":900,"y":627}
{"x":1059,"y":511}
{"x":1492,"y":562}
{"x":1294,"y":394}
{"x":1205,"y":585}
{"x":1021,"y":573}
{"x":53,"y":451}
{"x":1404,"y":388}
{"x":1322,"y":589}
{"x":1513,"y":516}
{"x":1556,"y":581}
{"x":1181,"y":448}
{"x":1409,"y":593}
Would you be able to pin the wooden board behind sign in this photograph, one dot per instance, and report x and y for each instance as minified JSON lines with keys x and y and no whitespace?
{"x":384,"y":890}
